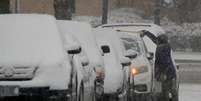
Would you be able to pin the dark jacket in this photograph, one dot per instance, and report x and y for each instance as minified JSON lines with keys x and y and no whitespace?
{"x":163,"y":60}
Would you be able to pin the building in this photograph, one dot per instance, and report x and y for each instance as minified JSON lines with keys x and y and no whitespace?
{"x":81,"y":7}
{"x":32,"y":6}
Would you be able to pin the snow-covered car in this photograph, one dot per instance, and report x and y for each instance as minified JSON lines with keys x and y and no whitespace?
{"x":137,"y":27}
{"x":33,"y":62}
{"x":143,"y":64}
{"x":116,"y":64}
{"x":156,"y":30}
{"x":93,"y":73}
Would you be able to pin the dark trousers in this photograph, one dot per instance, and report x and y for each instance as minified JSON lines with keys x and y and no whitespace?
{"x":169,"y":90}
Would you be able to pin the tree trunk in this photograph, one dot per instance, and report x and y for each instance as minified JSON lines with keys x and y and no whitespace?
{"x":157,"y":12}
{"x":62,"y":11}
{"x":104,"y":11}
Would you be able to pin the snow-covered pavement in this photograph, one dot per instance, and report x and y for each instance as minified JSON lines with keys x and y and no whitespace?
{"x":190,"y":92}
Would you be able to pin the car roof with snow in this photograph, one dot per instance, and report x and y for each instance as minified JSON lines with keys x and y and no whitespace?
{"x":153,"y":28}
{"x":83,"y":33}
{"x":137,"y":27}
{"x":110,"y":34}
{"x":29,"y":39}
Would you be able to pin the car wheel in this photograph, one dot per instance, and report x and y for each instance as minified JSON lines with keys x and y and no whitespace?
{"x":96,"y":96}
{"x":98,"y":92}
{"x":81,"y":92}
{"x":130,"y":93}
{"x":73,"y":87}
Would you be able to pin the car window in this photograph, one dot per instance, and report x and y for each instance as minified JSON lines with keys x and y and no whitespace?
{"x":131,"y":44}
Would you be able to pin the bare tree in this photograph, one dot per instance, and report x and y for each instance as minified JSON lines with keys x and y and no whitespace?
{"x":157,"y":12}
{"x":62,"y":11}
{"x":105,"y":12}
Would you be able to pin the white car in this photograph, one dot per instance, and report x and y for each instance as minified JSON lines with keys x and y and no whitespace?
{"x":93,"y":74}
{"x":144,"y":79}
{"x":156,"y":30}
{"x":137,"y":27}
{"x":116,"y":64}
{"x":33,"y":62}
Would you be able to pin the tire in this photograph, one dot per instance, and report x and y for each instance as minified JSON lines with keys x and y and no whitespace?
{"x":74,"y":95}
{"x":97,"y":97}
{"x":81,"y":92}
{"x":129,"y":94}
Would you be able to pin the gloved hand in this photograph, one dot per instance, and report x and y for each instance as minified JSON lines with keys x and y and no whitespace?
{"x":142,"y":33}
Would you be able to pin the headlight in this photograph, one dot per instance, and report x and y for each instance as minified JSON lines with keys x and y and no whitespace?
{"x":143,"y":69}
{"x":134,"y":71}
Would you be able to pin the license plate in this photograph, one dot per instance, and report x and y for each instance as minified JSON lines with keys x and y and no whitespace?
{"x":6,"y":91}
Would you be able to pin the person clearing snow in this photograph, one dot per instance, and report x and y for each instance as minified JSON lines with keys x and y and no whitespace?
{"x":164,"y":66}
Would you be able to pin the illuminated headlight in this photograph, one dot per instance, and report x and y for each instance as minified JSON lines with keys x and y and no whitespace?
{"x":143,"y":69}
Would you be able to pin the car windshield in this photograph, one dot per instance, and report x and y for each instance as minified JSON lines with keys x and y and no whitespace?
{"x":131,"y":44}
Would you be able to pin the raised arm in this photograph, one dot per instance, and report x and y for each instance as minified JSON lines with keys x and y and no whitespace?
{"x":150,"y":35}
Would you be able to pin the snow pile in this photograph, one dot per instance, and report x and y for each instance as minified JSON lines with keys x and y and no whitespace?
{"x":122,"y":15}
{"x":29,"y":39}
{"x":126,"y":15}
{"x":173,"y":29}
{"x":94,"y":21}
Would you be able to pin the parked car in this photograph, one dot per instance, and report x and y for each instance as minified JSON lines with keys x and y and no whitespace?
{"x":93,"y":74}
{"x":156,"y":30}
{"x":116,"y":64}
{"x":143,"y":64}
{"x":33,"y":62}
{"x":137,"y":27}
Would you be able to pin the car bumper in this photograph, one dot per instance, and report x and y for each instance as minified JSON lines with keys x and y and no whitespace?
{"x":142,"y":83}
{"x":35,"y":91}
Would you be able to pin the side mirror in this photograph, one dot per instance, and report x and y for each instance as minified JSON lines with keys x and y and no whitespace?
{"x":150,"y":56}
{"x":75,"y":49}
{"x":84,"y":61}
{"x":131,"y":54}
{"x":105,"y":49}
{"x":125,"y":61}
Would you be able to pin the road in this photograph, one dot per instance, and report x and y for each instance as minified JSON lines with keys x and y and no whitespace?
{"x":190,"y":92}
{"x":190,"y":82}
{"x":190,"y":77}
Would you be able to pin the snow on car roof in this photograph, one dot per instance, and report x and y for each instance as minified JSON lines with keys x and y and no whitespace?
{"x":153,"y":28}
{"x":136,"y":27}
{"x":110,"y":34}
{"x":83,"y":33}
{"x":29,"y":39}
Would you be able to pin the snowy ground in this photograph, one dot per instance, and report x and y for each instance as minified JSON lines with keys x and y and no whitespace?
{"x":190,"y":92}
{"x":190,"y":86}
